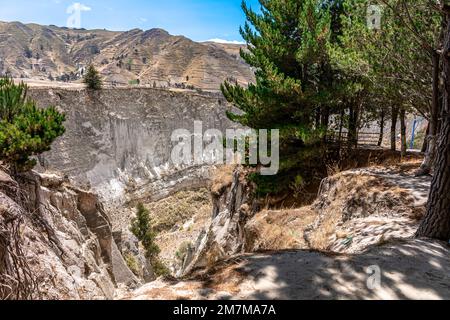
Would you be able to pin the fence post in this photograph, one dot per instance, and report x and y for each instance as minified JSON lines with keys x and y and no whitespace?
{"x":411,"y":146}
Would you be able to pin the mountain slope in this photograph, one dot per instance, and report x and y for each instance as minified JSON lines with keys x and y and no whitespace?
{"x":152,"y":58}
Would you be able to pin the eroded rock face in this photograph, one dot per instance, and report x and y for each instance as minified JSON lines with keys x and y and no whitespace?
{"x":233,"y":206}
{"x":354,"y":210}
{"x":66,"y":238}
{"x":118,"y":141}
{"x":134,"y":255}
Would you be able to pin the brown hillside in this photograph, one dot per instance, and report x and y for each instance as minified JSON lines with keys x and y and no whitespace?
{"x":153,"y":57}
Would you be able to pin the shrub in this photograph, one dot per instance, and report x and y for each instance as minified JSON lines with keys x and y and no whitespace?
{"x":134,"y":82}
{"x":183,"y":250}
{"x":132,"y":264}
{"x":92,"y":79}
{"x":25,"y":130}
{"x":159,"y":268}
{"x":142,"y":229}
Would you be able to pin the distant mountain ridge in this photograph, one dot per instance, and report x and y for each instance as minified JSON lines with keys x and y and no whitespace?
{"x":153,"y":57}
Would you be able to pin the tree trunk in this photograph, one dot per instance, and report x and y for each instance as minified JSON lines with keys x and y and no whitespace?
{"x":425,"y":141}
{"x":404,"y":147}
{"x":394,"y":128}
{"x":318,"y":118}
{"x":427,"y":164}
{"x":325,"y":120}
{"x":380,"y":140}
{"x":353,"y":127}
{"x":437,"y":220}
{"x":341,"y":126}
{"x":325,"y":117}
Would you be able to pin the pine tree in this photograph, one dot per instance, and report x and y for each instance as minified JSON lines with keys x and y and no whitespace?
{"x":437,"y":220}
{"x":25,"y":129}
{"x":288,"y":47}
{"x":141,"y":227}
{"x":92,"y":79}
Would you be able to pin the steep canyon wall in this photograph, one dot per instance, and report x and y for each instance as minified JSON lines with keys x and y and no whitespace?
{"x":118,"y":141}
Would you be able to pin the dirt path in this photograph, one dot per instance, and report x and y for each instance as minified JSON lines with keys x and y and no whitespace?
{"x":419,"y":187}
{"x":415,"y":269}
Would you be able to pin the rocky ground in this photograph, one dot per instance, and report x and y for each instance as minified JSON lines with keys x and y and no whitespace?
{"x":365,"y":207}
{"x":60,"y":238}
{"x":354,"y":210}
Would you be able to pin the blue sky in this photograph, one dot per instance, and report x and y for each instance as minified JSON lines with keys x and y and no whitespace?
{"x":197,"y":19}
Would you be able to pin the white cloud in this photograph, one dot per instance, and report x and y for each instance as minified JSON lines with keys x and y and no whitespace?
{"x":216,"y":40}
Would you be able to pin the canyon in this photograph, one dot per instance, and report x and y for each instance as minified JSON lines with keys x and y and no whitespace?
{"x":127,"y":171}
{"x":216,"y":238}
{"x":116,"y":152}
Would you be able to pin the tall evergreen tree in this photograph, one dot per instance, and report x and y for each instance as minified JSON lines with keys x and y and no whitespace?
{"x":412,"y":42}
{"x":141,"y":227}
{"x":286,"y":44}
{"x":92,"y":79}
{"x":437,"y":221}
{"x":288,"y":48}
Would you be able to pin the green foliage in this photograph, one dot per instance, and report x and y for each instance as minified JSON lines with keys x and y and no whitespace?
{"x":396,"y":59}
{"x":297,"y":186}
{"x":25,"y":130}
{"x":297,"y":87}
{"x":135,"y":82}
{"x":288,"y":48}
{"x":92,"y":79}
{"x":132,"y":263}
{"x":183,"y":250}
{"x":142,"y":229}
{"x":320,"y":69}
{"x":159,"y":268}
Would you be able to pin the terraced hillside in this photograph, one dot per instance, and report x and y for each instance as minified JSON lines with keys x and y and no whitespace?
{"x":151,"y":58}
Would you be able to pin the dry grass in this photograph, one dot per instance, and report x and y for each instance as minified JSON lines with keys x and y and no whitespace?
{"x":222,"y":179}
{"x":320,"y":238}
{"x":132,"y":264}
{"x":179,"y":219}
{"x":279,"y":230}
{"x":178,"y":208}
